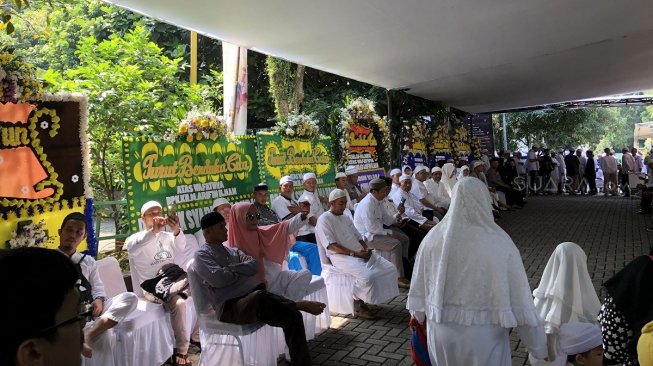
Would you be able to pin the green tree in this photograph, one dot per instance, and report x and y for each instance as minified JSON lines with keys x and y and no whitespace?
{"x":129,"y":83}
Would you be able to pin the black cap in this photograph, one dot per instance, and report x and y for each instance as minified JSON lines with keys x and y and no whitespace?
{"x":260,"y":187}
{"x":77,"y":216}
{"x":210,"y":219}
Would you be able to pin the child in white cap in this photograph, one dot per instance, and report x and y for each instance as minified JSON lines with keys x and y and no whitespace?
{"x":582,"y":343}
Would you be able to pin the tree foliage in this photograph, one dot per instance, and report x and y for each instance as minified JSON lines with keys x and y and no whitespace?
{"x":130,"y":86}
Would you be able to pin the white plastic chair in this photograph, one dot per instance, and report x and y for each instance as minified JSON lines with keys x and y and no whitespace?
{"x":144,"y":337}
{"x":339,"y":285}
{"x":262,"y":339}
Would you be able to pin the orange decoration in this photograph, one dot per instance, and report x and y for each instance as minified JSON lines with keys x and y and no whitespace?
{"x":15,"y":112}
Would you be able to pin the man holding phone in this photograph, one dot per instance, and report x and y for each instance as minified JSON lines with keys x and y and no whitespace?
{"x":150,"y":250}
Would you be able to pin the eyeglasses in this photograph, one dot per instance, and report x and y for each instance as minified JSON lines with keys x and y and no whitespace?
{"x":85,"y":315}
{"x":251,"y":217}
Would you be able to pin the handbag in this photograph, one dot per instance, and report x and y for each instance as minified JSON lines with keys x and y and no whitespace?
{"x":419,"y":349}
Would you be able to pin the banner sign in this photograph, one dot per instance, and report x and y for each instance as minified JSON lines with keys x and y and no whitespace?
{"x":360,"y":151}
{"x":481,"y":127}
{"x":440,"y":145}
{"x":187,"y":175}
{"x":461,"y":144}
{"x":44,"y":168}
{"x":279,"y":156}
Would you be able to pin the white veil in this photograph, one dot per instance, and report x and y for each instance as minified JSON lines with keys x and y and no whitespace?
{"x":468,"y":270}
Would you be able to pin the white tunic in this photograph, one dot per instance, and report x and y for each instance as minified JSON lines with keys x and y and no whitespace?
{"x":376,"y":279}
{"x":438,"y":192}
{"x":370,"y":216}
{"x":280,"y":206}
{"x":472,"y":300}
{"x":411,"y":205}
{"x":316,"y":211}
{"x":148,"y":252}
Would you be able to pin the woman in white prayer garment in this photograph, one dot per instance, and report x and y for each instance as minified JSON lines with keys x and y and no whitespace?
{"x":470,"y":285}
{"x":565,"y":295}
{"x":449,"y":177}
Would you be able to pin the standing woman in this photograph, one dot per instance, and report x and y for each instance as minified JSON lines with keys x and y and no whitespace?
{"x":449,"y":177}
{"x":626,"y":309}
{"x":470,"y":285}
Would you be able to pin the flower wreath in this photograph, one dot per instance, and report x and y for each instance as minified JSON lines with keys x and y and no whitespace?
{"x":361,"y":111}
{"x":18,"y":80}
{"x":298,"y":125}
{"x":414,"y":129}
{"x":199,"y":126}
{"x":33,"y":234}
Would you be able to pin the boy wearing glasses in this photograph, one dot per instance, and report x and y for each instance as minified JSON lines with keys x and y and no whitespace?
{"x":42,"y":323}
{"x":106,"y":311}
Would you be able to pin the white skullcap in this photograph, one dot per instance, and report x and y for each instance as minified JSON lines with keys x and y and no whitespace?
{"x":575,"y":338}
{"x":336,"y":193}
{"x":419,"y":168}
{"x":148,"y":205}
{"x":395,"y":171}
{"x":304,"y":198}
{"x":341,"y":175}
{"x":308,"y":176}
{"x":219,"y":202}
{"x":477,"y":163}
{"x":351,"y":170}
{"x":436,"y":169}
{"x":404,"y":177}
{"x":285,"y":180}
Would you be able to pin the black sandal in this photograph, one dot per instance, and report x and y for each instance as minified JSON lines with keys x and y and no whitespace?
{"x":196,"y":344}
{"x":183,"y":357}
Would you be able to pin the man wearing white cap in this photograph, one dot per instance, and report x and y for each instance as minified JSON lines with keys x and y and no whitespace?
{"x":533,"y":165}
{"x":285,"y":205}
{"x":341,"y":183}
{"x":151,"y":249}
{"x":221,"y":206}
{"x":311,"y":197}
{"x":436,"y":188}
{"x":429,"y":208}
{"x":403,"y":198}
{"x":485,"y":158}
{"x":369,"y":218}
{"x":394,"y":175}
{"x":354,"y":189}
{"x":376,"y":278}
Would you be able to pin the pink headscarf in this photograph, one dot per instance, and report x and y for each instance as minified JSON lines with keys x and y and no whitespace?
{"x":271,"y":241}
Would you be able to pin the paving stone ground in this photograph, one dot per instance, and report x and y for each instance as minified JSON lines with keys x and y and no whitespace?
{"x":607,"y":228}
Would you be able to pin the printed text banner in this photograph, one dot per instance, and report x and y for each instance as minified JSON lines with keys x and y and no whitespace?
{"x":187,"y":175}
{"x":280,"y":156}
{"x":361,"y":152}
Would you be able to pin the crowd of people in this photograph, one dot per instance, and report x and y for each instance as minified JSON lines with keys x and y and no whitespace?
{"x":413,"y":229}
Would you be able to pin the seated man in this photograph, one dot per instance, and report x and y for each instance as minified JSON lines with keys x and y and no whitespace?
{"x":284,"y":205}
{"x":369,"y":218}
{"x":376,"y":278}
{"x":42,"y":323}
{"x":268,"y":217}
{"x":314,"y":200}
{"x":107,"y":311}
{"x":436,"y":188}
{"x":513,"y":197}
{"x":412,"y":208}
{"x":150,"y":251}
{"x":237,"y":297}
{"x":341,"y":183}
{"x":423,"y":196}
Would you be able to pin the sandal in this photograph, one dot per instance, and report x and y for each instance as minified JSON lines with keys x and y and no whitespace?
{"x":196,"y":344}
{"x":178,"y":356}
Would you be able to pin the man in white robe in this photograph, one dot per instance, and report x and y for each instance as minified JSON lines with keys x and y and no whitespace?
{"x":284,"y":205}
{"x":436,"y":188}
{"x":151,"y":249}
{"x":471,"y":301}
{"x":423,"y":196}
{"x":341,"y":183}
{"x":369,"y":218}
{"x":310,"y":195}
{"x":394,"y":175}
{"x":376,"y":278}
{"x":412,"y":208}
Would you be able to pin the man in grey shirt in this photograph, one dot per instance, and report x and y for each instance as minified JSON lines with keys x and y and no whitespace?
{"x":237,"y":297}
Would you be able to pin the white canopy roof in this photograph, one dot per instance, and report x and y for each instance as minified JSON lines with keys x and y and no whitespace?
{"x":478,"y":56}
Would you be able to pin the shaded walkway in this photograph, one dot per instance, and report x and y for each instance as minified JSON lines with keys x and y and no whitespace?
{"x":606,"y":228}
